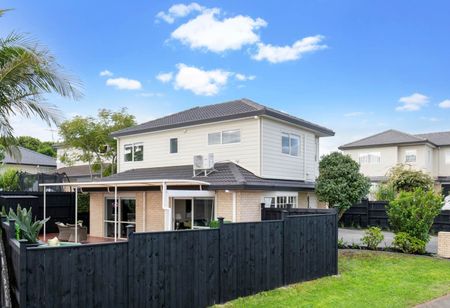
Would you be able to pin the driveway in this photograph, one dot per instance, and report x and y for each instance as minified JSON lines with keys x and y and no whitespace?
{"x":354,"y":236}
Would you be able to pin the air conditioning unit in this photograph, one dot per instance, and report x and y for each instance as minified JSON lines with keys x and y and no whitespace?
{"x":203,"y":164}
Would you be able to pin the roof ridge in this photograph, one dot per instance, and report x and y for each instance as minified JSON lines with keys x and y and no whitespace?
{"x":431,"y":133}
{"x":236,"y":172}
{"x":365,"y":138}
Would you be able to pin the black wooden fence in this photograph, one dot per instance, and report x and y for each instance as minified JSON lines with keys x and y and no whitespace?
{"x":60,"y":206}
{"x":373,"y":213}
{"x":193,"y":268}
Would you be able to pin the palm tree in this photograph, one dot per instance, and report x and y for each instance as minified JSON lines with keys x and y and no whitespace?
{"x":28,"y":72}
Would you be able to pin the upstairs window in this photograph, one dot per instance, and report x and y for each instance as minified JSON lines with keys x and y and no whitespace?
{"x":133,"y":152}
{"x":290,"y":144}
{"x":410,"y":156}
{"x":370,"y":158}
{"x":225,"y":137}
{"x":173,"y":145}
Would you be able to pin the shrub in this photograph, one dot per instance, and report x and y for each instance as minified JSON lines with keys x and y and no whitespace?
{"x":83,"y":202}
{"x":25,"y":227}
{"x":385,"y":192}
{"x":403,"y":178}
{"x":409,"y":244}
{"x":9,"y":180}
{"x":340,"y":183}
{"x":372,"y":237}
{"x":414,"y":212}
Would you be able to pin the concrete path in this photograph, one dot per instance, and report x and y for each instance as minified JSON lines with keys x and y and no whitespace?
{"x":441,"y":302}
{"x":354,"y":236}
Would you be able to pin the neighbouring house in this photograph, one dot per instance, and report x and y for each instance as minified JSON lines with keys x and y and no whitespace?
{"x":225,"y":160}
{"x":29,"y":161}
{"x":67,"y":163}
{"x":428,"y":152}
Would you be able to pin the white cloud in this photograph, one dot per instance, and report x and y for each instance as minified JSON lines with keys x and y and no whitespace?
{"x":200,"y":82}
{"x":430,"y":119}
{"x":208,"y":32}
{"x":277,"y":54}
{"x":242,"y":77}
{"x":164,"y":77}
{"x":106,"y":73}
{"x":179,"y":10}
{"x":445,"y":104}
{"x":124,"y":83}
{"x":413,"y":102}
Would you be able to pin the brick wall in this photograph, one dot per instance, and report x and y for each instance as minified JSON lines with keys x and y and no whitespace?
{"x":224,"y":205}
{"x":97,"y":211}
{"x":249,"y":206}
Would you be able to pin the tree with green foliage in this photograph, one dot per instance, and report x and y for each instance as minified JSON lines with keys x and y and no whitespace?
{"x":340,"y":183}
{"x":92,"y":137}
{"x":413,"y":212}
{"x":403,"y":178}
{"x":34,"y":144}
{"x":28,"y":72}
{"x":9,"y":180}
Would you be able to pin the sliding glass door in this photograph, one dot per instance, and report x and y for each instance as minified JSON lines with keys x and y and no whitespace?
{"x":126,"y":215}
{"x":192,"y":213}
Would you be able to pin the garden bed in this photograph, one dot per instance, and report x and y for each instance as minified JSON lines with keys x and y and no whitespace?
{"x":366,"y":279}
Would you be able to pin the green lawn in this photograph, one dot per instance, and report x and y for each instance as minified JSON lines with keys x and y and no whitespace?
{"x":367,"y":279}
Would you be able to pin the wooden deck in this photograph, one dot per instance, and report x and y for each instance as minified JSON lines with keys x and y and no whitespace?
{"x":90,"y":239}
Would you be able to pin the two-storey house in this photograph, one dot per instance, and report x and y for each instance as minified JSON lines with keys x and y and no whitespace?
{"x":429,"y":153}
{"x":186,"y":169}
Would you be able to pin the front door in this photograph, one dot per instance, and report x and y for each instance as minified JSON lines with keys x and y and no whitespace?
{"x":126,"y":215}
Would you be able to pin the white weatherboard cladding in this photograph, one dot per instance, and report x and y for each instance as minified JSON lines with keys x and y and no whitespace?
{"x":275,"y":164}
{"x":194,"y":141}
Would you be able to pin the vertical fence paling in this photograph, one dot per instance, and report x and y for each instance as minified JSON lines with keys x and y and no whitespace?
{"x":195,"y":268}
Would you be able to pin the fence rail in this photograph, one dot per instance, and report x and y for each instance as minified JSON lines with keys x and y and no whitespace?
{"x":193,"y":268}
{"x":373,"y":213}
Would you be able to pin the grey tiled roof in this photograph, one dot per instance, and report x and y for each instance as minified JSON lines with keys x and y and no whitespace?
{"x":218,"y":112}
{"x":29,"y":157}
{"x":77,"y":171}
{"x":226,"y":176}
{"x":439,"y":138}
{"x":389,"y":137}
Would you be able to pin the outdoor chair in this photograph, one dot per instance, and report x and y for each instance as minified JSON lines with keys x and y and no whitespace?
{"x":67,"y":232}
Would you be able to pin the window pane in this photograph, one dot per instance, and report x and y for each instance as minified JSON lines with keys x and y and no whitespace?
{"x":295,"y":145}
{"x":447,"y":157}
{"x":128,"y":152}
{"x":214,"y":138}
{"x":174,"y":145}
{"x":285,"y":144}
{"x":203,"y":212}
{"x":138,"y":152}
{"x":410,"y":156}
{"x":128,"y":210}
{"x":231,"y":136}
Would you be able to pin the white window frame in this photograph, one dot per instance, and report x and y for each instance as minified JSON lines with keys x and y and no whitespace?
{"x":133,"y":145}
{"x":274,"y":198}
{"x":290,"y":137}
{"x":119,"y":215}
{"x":372,"y":158}
{"x":410,"y":153}
{"x":220,"y":134}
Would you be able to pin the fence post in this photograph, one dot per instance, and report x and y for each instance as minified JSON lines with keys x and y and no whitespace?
{"x":130,"y":230}
{"x":284,"y":214}
{"x":22,"y":283}
{"x":12,"y":228}
{"x":220,"y":219}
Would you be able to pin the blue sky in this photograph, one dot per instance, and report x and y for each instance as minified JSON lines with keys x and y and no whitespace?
{"x":357,"y":67}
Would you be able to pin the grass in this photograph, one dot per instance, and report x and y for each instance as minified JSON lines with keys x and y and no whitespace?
{"x":366,"y":279}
